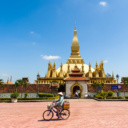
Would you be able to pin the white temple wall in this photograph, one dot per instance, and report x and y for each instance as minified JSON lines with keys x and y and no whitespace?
{"x":69,"y":84}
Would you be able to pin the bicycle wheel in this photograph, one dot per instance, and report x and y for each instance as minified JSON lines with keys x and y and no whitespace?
{"x":47,"y":115}
{"x":65,"y":113}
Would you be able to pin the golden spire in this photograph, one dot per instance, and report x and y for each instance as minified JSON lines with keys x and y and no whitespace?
{"x":89,"y":67}
{"x":89,"y":71}
{"x":61,"y":66}
{"x":61,"y":70}
{"x":96,"y":65}
{"x":75,"y":44}
{"x":112,"y":74}
{"x":54,"y":65}
{"x":54,"y":70}
{"x":83,"y":68}
{"x":75,"y":55}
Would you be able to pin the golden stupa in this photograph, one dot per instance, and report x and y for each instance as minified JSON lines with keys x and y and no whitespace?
{"x":95,"y":75}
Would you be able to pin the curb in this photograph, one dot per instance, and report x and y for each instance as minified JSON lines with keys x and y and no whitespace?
{"x":9,"y":101}
{"x":110,"y":99}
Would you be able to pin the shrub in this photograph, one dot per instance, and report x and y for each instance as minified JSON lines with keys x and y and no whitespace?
{"x":45,"y":95}
{"x":120,"y":97}
{"x":99,"y":97}
{"x":110,"y":93}
{"x":14,"y":95}
{"x":25,"y":95}
{"x":40,"y":98}
{"x":109,"y":97}
{"x":126,"y":97}
{"x":112,"y":97}
{"x":103,"y":94}
{"x":5,"y":98}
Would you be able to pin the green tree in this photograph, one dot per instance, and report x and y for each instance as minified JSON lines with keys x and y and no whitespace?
{"x":18,"y":83}
{"x":125,"y":83}
{"x":95,"y":84}
{"x":22,"y":84}
{"x":1,"y":82}
{"x":25,"y":84}
{"x":101,"y":84}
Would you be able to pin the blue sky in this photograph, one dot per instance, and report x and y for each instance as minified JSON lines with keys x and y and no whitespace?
{"x":31,"y":29}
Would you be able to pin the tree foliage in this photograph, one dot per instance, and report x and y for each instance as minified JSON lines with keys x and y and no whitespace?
{"x":96,"y":84}
{"x":126,"y":80}
{"x":1,"y":81}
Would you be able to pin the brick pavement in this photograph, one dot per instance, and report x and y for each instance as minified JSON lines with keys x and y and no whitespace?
{"x":84,"y":114}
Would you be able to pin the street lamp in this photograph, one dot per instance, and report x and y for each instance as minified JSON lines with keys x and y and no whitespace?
{"x":117,"y":77}
{"x":38,"y":76}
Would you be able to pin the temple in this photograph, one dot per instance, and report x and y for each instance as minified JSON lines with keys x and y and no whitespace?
{"x":96,"y":74}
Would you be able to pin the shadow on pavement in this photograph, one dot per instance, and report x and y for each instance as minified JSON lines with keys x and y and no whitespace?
{"x":51,"y":120}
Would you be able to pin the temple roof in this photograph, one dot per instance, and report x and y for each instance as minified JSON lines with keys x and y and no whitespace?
{"x":76,"y":75}
{"x":65,"y":67}
{"x":8,"y":82}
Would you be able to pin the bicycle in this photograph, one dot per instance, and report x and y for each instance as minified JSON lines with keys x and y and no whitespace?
{"x":48,"y":114}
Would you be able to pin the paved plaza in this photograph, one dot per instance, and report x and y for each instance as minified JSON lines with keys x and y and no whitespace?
{"x":84,"y":114}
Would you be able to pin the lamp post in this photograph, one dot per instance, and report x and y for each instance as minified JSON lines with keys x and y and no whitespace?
{"x":117,"y":77}
{"x":37,"y":83}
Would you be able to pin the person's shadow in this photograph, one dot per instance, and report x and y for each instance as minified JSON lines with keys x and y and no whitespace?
{"x":50,"y":120}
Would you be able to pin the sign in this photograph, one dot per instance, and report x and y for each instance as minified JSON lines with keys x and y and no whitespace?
{"x":115,"y":86}
{"x":119,"y":86}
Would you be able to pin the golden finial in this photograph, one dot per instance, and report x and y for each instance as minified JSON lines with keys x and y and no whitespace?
{"x":75,"y":25}
{"x":89,"y":63}
{"x":61,"y":63}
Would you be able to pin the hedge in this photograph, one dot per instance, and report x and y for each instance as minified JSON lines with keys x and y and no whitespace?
{"x":99,"y":97}
{"x":126,"y":97}
{"x":114,"y":97}
{"x":5,"y":98}
{"x":40,"y":98}
{"x":45,"y":95}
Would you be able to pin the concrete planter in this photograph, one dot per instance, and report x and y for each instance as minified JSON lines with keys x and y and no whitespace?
{"x":14,"y":100}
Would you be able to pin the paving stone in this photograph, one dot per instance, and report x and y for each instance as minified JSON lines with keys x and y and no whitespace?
{"x":84,"y":114}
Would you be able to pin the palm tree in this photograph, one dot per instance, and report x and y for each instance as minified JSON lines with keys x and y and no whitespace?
{"x":18,"y":83}
{"x":1,"y":82}
{"x":25,"y":84}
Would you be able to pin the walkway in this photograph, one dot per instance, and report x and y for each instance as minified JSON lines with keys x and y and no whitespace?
{"x":84,"y":114}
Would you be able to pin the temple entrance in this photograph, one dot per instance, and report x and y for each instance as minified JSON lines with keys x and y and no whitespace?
{"x":76,"y":90}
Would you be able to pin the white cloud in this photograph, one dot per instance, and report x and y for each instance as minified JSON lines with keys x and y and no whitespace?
{"x":105,"y":61}
{"x":33,"y":43}
{"x":50,"y":57}
{"x":32,"y":32}
{"x":103,"y":3}
{"x":4,"y":75}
